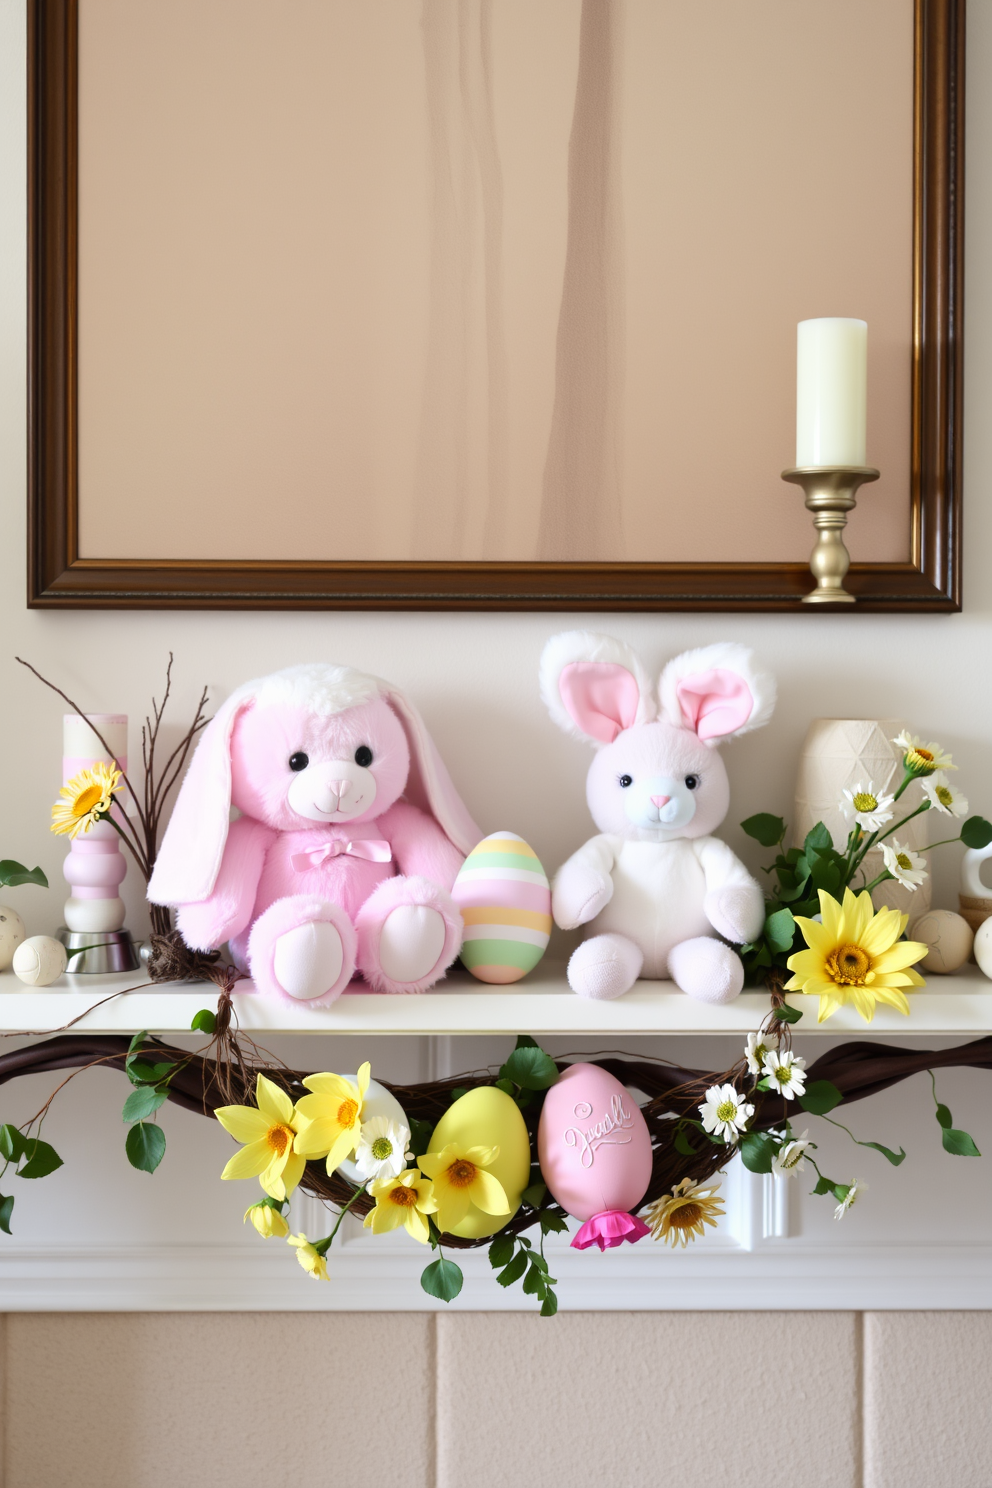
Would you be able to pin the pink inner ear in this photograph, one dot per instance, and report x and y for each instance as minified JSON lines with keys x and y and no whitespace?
{"x":715,"y":703}
{"x":601,"y":697}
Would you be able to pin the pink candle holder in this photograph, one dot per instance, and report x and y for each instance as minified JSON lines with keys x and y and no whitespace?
{"x":96,"y":866}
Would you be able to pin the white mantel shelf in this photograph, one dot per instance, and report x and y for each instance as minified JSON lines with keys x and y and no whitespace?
{"x":960,"y":1005}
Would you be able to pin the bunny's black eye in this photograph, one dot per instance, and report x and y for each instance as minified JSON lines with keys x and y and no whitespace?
{"x":691,"y":782}
{"x":626,"y":780}
{"x":299,"y":760}
{"x":363,"y":756}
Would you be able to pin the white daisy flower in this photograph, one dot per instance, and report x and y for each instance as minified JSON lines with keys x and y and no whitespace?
{"x":943,"y":796}
{"x":757,"y":1050}
{"x":382,"y":1149}
{"x":922,"y":759}
{"x":868,"y":808}
{"x":786,"y":1073}
{"x":790,"y":1157}
{"x":725,"y":1112}
{"x":906,"y":867}
{"x":857,"y":1188}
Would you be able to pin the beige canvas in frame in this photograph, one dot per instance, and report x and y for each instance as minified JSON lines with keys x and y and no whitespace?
{"x":483,"y":279}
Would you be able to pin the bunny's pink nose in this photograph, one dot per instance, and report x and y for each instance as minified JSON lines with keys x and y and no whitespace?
{"x":660,"y":801}
{"x":340,"y":788}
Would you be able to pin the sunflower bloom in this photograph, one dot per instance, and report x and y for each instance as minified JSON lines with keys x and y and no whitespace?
{"x":460,"y":1180}
{"x":855,"y":956}
{"x":267,"y":1130}
{"x":86,"y":799}
{"x":310,"y":1258}
{"x":331,"y":1118}
{"x":404,"y":1200}
{"x":683,"y":1214}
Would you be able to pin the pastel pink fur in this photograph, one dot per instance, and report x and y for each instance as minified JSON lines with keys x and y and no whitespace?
{"x":317,"y":760}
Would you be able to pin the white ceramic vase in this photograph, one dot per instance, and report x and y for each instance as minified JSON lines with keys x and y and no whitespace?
{"x":839,"y":753}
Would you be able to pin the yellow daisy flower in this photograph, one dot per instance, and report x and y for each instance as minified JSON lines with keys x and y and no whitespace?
{"x":309,"y":1257}
{"x":87,"y":798}
{"x":683,"y":1214}
{"x":404,"y":1200}
{"x":267,"y":1221}
{"x":855,"y":956}
{"x":267,"y":1130}
{"x":460,"y":1179}
{"x":331,"y":1118}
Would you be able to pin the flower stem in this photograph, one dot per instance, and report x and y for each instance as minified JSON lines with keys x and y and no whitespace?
{"x":341,"y":1216}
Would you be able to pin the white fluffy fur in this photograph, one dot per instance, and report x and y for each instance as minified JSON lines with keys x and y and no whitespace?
{"x":316,"y":686}
{"x":587,"y":645}
{"x":732,"y":658}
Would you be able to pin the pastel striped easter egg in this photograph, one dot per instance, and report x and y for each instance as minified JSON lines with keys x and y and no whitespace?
{"x":505,"y":900}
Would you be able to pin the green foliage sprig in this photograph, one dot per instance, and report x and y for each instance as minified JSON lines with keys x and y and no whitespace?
{"x":12,"y":875}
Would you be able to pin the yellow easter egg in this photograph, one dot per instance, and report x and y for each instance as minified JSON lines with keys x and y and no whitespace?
{"x":487,"y":1117}
{"x":505,"y":900}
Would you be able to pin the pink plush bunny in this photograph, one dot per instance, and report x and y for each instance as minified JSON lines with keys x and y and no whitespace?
{"x":656,"y":890}
{"x":349,"y":839}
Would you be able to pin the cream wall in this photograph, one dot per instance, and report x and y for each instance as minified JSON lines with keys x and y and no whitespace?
{"x":891,"y":1408}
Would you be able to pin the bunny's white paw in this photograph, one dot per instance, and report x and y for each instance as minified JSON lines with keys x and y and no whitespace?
{"x":706,"y":969}
{"x":307,"y":961}
{"x":736,"y":912}
{"x":578,"y":894}
{"x":604,"y":967}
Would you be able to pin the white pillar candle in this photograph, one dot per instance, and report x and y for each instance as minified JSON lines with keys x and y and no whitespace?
{"x":831,"y":392}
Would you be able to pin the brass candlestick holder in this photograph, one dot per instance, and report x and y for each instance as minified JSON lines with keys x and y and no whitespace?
{"x":831,"y":492}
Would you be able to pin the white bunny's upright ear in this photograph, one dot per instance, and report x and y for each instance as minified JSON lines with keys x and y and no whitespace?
{"x":594,"y":686}
{"x":190,"y":854}
{"x":718,"y":692}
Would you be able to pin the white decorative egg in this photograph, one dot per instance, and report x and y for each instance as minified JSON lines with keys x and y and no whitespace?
{"x":39,"y":961}
{"x":505,"y":900}
{"x":949,"y":937}
{"x":983,"y":946}
{"x":11,"y":935}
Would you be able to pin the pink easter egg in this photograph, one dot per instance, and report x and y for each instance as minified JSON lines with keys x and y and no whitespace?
{"x":594,"y":1148}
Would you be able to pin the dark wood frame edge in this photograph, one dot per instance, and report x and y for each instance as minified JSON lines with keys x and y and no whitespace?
{"x":59,"y":579}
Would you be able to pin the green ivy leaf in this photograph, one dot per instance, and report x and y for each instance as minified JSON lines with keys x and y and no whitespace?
{"x":824,"y":1186}
{"x":529,"y":1067}
{"x":786,"y":1014}
{"x":140,"y":1073}
{"x":553,"y":1222}
{"x":766,"y":829}
{"x":895,"y":1158}
{"x":959,"y":1143}
{"x":11,"y":1143}
{"x":6,"y":1210}
{"x":137,"y":1041}
{"x":820,"y":1097}
{"x":145,"y":1146}
{"x":683,"y":1145}
{"x":456,"y":1095}
{"x":825,"y":875}
{"x":550,"y":1305}
{"x":42,"y":1160}
{"x":507,"y":1086}
{"x":205,"y":1021}
{"x":757,"y":1151}
{"x":944,"y":1116}
{"x":442,"y":1279}
{"x":780,"y":930}
{"x":514,"y":1270}
{"x":501,"y":1252}
{"x":12,"y":875}
{"x":534,"y":1195}
{"x":524,"y":1041}
{"x":143,"y":1102}
{"x":818,"y":839}
{"x":976,"y":832}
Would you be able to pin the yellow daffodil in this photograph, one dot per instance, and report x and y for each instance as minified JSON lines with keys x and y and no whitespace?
{"x":309,"y":1257}
{"x":855,"y":956}
{"x":268,"y":1131}
{"x":267,"y":1221}
{"x":331,"y":1118}
{"x":87,"y":798}
{"x":404,"y":1200}
{"x":683,"y":1214}
{"x":460,"y":1179}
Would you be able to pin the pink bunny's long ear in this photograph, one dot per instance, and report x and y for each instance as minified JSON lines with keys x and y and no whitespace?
{"x":429,"y":785}
{"x":594,"y":686}
{"x":718,"y":692}
{"x":190,"y":855}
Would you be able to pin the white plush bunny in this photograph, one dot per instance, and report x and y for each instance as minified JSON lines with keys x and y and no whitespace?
{"x":656,"y":891}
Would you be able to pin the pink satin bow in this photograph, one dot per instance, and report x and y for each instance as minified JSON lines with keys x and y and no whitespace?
{"x":372,"y":849}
